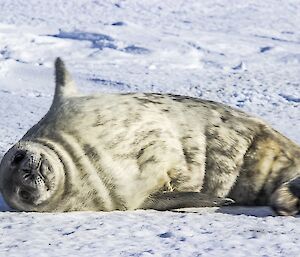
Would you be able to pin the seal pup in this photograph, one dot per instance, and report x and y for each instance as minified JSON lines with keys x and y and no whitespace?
{"x":147,"y":151}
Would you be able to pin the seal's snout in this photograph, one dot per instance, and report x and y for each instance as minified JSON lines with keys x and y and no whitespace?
{"x":28,"y":166}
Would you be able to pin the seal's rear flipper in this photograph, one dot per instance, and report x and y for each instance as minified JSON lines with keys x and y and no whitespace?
{"x":64,"y":84}
{"x":176,"y":200}
{"x":294,"y":186}
{"x":285,"y":200}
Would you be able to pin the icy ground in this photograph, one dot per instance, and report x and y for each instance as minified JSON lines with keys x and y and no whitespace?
{"x":242,"y":53}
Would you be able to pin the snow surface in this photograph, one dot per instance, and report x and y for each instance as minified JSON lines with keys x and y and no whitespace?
{"x":242,"y":53}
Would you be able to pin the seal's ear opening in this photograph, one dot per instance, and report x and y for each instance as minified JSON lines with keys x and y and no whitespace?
{"x":64,"y":84}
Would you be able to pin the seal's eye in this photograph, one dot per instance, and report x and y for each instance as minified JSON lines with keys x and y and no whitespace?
{"x":18,"y":157}
{"x":25,"y":195}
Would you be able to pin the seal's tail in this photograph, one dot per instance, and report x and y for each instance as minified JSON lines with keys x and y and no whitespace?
{"x":64,"y":84}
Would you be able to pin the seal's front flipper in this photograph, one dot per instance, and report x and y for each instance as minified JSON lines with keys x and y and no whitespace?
{"x":176,"y":200}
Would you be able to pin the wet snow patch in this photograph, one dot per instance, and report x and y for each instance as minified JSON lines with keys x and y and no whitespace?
{"x":98,"y":40}
{"x":290,"y":98}
{"x":101,"y":41}
{"x":136,"y":50}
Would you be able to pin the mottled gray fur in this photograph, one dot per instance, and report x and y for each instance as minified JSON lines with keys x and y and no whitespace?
{"x":128,"y":151}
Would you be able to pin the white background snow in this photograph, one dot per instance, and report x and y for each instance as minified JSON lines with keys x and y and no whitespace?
{"x":242,"y":53}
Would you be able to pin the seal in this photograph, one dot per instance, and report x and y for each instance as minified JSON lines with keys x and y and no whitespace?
{"x":107,"y":152}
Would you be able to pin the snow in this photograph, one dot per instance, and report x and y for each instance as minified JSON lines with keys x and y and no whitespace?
{"x":148,"y":233}
{"x":242,"y":53}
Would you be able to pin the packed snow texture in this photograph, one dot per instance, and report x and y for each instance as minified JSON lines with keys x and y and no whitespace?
{"x":242,"y":53}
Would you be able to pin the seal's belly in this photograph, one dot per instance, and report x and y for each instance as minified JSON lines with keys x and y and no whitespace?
{"x":145,"y":150}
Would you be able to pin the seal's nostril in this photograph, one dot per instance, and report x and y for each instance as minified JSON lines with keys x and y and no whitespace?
{"x":25,"y":195}
{"x":19,"y":156}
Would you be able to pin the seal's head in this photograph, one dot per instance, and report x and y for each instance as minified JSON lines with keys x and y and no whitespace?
{"x":31,"y":176}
